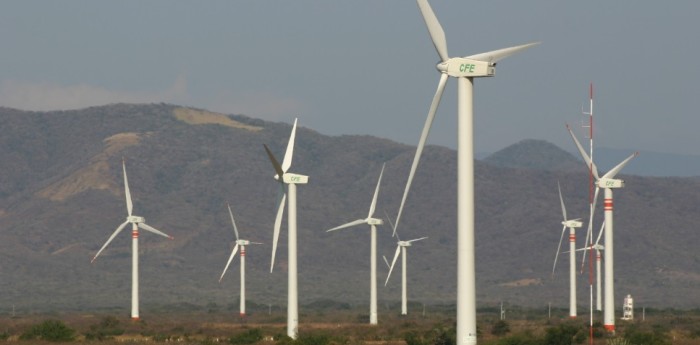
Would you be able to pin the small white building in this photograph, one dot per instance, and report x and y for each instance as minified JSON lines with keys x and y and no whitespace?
{"x":628,"y":308}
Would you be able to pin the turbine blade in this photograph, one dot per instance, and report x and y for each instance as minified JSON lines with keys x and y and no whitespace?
{"x":114,"y":234}
{"x":558,"y":248}
{"x":589,"y":231}
{"x":617,"y":168}
{"x":275,"y":164}
{"x":129,"y":204}
{"x":390,"y":222}
{"x":500,"y":54}
{"x":287,"y":161}
{"x":376,"y":193}
{"x":347,"y":225}
{"x":561,"y":199}
{"x":233,"y":222}
{"x":586,"y":159}
{"x":417,"y":239}
{"x":154,"y":230}
{"x":437,"y":34}
{"x":233,"y":253}
{"x":386,"y":261}
{"x":600,"y":233}
{"x":421,"y":144}
{"x":393,"y":262}
{"x":278,"y":223}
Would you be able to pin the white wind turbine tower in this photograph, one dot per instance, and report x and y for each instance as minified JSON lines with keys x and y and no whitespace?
{"x":288,"y":184}
{"x":136,"y":222}
{"x":372,"y":222}
{"x":608,"y":183}
{"x":239,"y":243}
{"x":401,"y":249}
{"x":572,"y":224}
{"x":465,"y":69}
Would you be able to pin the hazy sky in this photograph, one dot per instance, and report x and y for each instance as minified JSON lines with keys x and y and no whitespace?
{"x":368,"y":67}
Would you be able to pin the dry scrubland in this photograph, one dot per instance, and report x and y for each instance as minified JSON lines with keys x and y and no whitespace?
{"x":343,"y":326}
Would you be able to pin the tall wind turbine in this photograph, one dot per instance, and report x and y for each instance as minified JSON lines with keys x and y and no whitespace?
{"x":608,"y":183}
{"x":242,"y":244}
{"x":136,"y":222}
{"x":372,"y":222}
{"x":401,"y":249}
{"x":465,"y":69}
{"x":288,"y":190}
{"x":572,"y":224}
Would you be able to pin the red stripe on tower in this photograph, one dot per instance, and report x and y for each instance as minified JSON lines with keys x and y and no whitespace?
{"x":608,"y":204}
{"x":134,"y":234}
{"x":572,"y":238}
{"x":242,"y":251}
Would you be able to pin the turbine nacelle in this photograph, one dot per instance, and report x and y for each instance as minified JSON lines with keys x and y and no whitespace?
{"x":604,"y":182}
{"x":404,"y":243}
{"x":242,"y":242}
{"x":135,"y":219}
{"x":374,"y":221}
{"x":572,"y":223}
{"x":289,"y":178}
{"x":463,"y":67}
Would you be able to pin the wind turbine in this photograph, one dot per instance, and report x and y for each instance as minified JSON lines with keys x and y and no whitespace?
{"x":372,"y":222}
{"x":465,"y":69}
{"x":572,"y":224}
{"x":400,"y":249}
{"x":136,"y":222}
{"x":598,"y":248}
{"x":288,"y":189}
{"x":242,"y":244}
{"x":608,"y":183}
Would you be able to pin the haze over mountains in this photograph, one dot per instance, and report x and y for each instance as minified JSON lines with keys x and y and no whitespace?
{"x":61,"y":196}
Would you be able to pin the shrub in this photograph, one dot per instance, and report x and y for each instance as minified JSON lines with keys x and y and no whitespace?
{"x":500,"y":328}
{"x":106,"y":329}
{"x":250,"y":336}
{"x":49,"y":330}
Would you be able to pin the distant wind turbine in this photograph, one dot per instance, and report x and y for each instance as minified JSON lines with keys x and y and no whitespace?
{"x":401,"y":249}
{"x":465,"y":69}
{"x":372,"y":222}
{"x":242,"y":244}
{"x":572,"y":224}
{"x":288,"y":188}
{"x":136,"y":222}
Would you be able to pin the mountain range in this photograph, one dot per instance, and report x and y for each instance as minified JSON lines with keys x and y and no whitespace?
{"x":61,"y":197}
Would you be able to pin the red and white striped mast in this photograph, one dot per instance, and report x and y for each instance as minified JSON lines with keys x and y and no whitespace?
{"x":589,"y":237}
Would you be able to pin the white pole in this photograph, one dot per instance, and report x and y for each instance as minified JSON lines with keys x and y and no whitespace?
{"x":466,"y":281}
{"x":242,"y":309}
{"x":404,"y":295}
{"x":572,"y":273}
{"x":609,"y":310}
{"x":373,"y":277}
{"x":598,"y":304}
{"x":134,"y":272}
{"x":292,"y":298}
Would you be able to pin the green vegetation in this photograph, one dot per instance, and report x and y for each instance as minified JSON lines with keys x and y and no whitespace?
{"x":107,"y":328}
{"x":49,"y":330}
{"x":250,"y":336}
